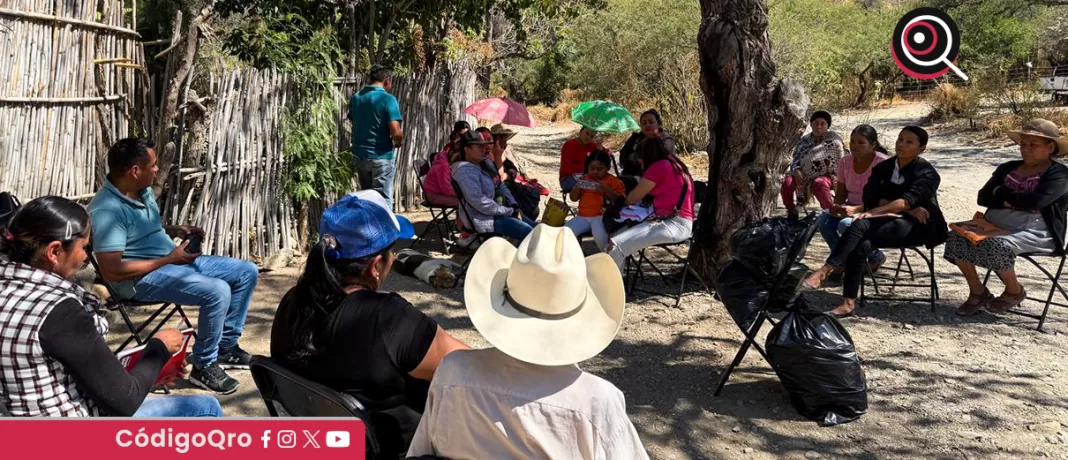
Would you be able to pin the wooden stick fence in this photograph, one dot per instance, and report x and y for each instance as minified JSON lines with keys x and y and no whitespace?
{"x":59,"y":111}
{"x":236,"y":195}
{"x":72,"y":82}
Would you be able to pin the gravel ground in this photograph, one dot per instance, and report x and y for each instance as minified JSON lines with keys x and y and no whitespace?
{"x":940,"y":386}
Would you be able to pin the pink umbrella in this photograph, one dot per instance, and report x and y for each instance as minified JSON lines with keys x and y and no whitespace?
{"x":501,"y":109}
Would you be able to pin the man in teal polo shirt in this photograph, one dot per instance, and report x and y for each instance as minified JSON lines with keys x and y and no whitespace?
{"x":136,"y":253}
{"x":376,"y":131}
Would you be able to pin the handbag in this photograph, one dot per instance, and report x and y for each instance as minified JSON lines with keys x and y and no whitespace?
{"x":611,"y":214}
{"x":526,"y":197}
{"x":555,"y":213}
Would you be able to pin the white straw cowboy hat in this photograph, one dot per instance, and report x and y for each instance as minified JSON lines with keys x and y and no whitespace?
{"x":543,"y":303}
{"x":1044,"y":129}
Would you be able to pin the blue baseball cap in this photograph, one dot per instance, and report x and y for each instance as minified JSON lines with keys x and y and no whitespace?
{"x":363,"y":224}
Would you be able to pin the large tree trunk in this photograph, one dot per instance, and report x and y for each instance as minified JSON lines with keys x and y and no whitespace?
{"x":754,"y":119}
{"x":183,"y":51}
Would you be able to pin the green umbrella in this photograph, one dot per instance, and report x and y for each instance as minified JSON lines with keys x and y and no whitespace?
{"x":604,"y":117}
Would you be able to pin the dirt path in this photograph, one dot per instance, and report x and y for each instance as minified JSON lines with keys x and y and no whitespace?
{"x":941,"y":387}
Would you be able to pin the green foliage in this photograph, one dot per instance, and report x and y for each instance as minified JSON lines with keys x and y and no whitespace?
{"x":295,"y":36}
{"x":996,"y":36}
{"x":298,"y":37}
{"x":308,"y":129}
{"x":837,"y":51}
{"x":538,"y":81}
{"x":828,"y":46}
{"x":644,"y":56}
{"x":996,"y":33}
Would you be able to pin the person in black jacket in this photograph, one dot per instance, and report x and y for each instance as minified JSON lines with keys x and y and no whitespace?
{"x":56,"y":362}
{"x":629,"y":159}
{"x":901,"y":198}
{"x":1026,"y":198}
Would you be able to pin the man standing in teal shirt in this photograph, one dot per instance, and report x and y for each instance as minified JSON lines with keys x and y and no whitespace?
{"x":376,"y":131}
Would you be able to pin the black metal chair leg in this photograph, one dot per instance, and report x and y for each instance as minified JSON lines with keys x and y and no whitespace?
{"x":682,"y":282}
{"x":750,"y":339}
{"x":1049,"y":299}
{"x":908,"y":265}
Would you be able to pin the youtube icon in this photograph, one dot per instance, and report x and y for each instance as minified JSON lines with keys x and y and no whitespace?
{"x":337,"y":439}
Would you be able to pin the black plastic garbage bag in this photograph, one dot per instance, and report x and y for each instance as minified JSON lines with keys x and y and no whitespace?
{"x":741,"y":293}
{"x":763,"y":247}
{"x":788,"y":290}
{"x":819,"y":367}
{"x":744,"y":293}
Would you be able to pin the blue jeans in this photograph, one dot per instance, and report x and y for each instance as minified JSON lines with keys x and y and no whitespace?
{"x":221,"y":286}
{"x":180,"y":406}
{"x":832,"y":228}
{"x":376,"y":175}
{"x":510,"y":227}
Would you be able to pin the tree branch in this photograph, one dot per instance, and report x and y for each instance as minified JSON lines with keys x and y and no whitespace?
{"x":522,"y":54}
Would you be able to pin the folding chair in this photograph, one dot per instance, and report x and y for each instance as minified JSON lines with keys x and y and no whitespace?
{"x":440,"y":215}
{"x":904,"y":266}
{"x":287,"y":394}
{"x":643,"y":259}
{"x":116,"y":303}
{"x":478,"y":237}
{"x":796,"y":253}
{"x":1055,"y":285}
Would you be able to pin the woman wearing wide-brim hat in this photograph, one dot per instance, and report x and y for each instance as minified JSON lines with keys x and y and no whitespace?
{"x":1028,"y":198}
{"x":544,"y":307}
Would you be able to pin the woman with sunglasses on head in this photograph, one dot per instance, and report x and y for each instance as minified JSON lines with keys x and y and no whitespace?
{"x":630,"y":160}
{"x":53,"y":357}
{"x":335,"y":327}
{"x":900,"y":211}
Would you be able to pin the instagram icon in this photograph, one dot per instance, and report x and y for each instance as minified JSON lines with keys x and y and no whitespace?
{"x":287,"y":439}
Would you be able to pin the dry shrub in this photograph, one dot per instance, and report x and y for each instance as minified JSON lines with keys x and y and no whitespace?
{"x":542,"y":114}
{"x":892,"y":100}
{"x":949,"y":102}
{"x":559,"y":113}
{"x":614,"y":141}
{"x":568,"y":99}
{"x":1059,"y":116}
{"x":562,"y":112}
{"x":997,"y":125}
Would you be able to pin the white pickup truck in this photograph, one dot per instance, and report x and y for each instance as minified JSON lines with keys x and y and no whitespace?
{"x":1056,"y":83}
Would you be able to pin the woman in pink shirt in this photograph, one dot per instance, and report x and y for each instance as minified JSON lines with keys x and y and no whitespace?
{"x":666,"y":179}
{"x":853,"y":172}
{"x":438,"y":185}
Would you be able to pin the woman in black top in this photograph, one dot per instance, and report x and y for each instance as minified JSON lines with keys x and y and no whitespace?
{"x":335,"y":328}
{"x":1028,"y":199}
{"x":629,"y":159}
{"x":904,"y":185}
{"x":54,"y":359}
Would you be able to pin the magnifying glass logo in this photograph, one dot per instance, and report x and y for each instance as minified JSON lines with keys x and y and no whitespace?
{"x":926,"y":43}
